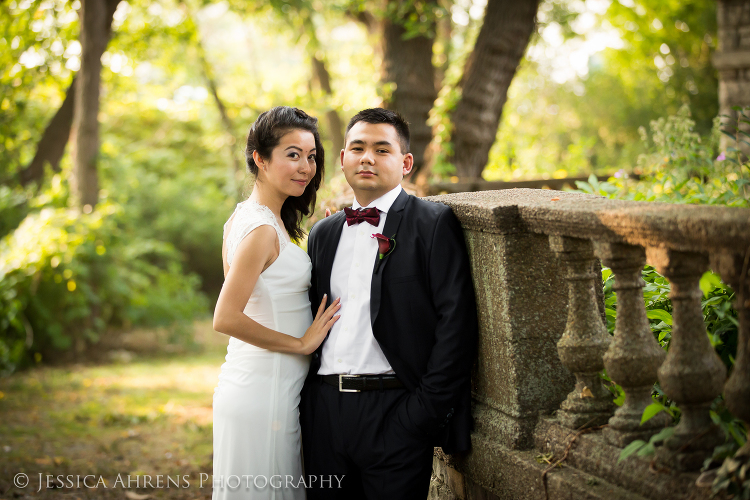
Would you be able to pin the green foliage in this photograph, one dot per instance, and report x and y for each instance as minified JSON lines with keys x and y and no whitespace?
{"x":642,"y":448}
{"x":67,"y":278}
{"x":679,"y":166}
{"x":12,"y":208}
{"x":38,"y":46}
{"x":733,"y":478}
{"x":645,"y":60}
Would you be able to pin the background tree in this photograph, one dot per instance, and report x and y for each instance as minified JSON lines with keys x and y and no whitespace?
{"x":403,"y":34}
{"x":95,"y":19}
{"x":501,"y":43}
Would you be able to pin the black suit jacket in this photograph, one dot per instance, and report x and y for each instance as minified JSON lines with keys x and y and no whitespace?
{"x":423,"y":313}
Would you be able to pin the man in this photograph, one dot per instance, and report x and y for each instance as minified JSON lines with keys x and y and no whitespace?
{"x":392,"y":380}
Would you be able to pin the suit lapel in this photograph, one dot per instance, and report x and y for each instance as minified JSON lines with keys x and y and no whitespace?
{"x":392,"y":221}
{"x":328,"y":246}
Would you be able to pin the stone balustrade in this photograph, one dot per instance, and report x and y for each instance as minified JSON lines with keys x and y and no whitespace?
{"x":537,"y":390}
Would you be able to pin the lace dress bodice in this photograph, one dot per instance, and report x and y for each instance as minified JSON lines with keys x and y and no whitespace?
{"x":247,"y":216}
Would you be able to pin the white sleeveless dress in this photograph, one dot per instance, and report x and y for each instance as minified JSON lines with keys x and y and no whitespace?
{"x":256,"y":403}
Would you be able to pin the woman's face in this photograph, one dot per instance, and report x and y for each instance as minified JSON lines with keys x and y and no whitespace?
{"x":292,"y":164}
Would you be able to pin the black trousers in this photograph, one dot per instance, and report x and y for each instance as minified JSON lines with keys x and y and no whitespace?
{"x":362,"y":437}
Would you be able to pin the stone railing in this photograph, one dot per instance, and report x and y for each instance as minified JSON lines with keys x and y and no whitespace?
{"x":537,"y":393}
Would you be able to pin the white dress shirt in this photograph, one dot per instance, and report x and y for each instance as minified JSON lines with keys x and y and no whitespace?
{"x":351,"y":347}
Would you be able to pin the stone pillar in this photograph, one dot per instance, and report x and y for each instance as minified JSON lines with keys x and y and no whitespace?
{"x":734,"y":269}
{"x":692,"y":374}
{"x":521,"y":311}
{"x":732,"y":60}
{"x":634,"y":357}
{"x":585,"y":338}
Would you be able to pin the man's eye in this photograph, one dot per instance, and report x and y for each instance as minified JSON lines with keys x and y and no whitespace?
{"x":356,"y":149}
{"x":382,"y":150}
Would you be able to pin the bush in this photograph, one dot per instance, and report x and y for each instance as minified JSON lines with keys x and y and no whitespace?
{"x":67,"y":278}
{"x":682,"y":167}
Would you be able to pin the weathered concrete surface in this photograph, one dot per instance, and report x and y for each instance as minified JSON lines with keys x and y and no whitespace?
{"x":634,"y":356}
{"x":498,"y":473}
{"x":696,"y":228}
{"x":692,"y":374}
{"x":522,"y":311}
{"x":522,"y":308}
{"x":593,"y":454}
{"x":491,"y":471}
{"x":585,"y":339}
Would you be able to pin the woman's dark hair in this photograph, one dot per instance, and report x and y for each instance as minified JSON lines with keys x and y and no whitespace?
{"x":265,"y":134}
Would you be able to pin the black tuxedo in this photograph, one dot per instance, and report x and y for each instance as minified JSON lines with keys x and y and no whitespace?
{"x":423,"y":314}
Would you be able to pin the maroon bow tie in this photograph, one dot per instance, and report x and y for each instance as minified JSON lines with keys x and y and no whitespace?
{"x":371,"y":215}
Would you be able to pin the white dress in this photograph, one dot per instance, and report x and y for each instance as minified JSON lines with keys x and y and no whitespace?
{"x":257,"y":446}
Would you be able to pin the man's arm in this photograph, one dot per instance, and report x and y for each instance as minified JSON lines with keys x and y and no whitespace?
{"x":449,"y":366}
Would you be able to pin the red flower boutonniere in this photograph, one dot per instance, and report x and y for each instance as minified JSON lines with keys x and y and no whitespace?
{"x":385,"y":247}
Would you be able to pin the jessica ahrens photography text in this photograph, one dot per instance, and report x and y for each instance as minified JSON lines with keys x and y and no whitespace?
{"x":232,"y":482}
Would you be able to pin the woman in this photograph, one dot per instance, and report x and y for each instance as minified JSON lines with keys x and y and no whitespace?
{"x":264,"y":308}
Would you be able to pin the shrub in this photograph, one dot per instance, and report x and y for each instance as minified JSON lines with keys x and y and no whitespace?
{"x":67,"y":278}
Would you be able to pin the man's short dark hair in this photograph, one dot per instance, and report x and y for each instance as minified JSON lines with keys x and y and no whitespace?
{"x":380,"y":115}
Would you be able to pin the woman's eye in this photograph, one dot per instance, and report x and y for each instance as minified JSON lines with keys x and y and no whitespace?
{"x":294,"y":155}
{"x":311,"y":157}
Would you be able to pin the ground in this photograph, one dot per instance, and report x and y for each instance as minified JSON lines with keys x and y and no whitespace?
{"x":147,"y":416}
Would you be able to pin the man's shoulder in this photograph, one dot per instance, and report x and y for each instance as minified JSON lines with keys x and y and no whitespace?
{"x":428,"y":208}
{"x":327,"y":223}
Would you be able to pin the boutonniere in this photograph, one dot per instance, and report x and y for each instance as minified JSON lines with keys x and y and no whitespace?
{"x":385,"y":247}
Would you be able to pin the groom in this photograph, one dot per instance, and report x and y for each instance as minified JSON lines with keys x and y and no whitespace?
{"x":392,"y":380}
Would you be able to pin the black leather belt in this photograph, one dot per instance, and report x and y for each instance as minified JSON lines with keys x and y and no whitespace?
{"x":359,"y":383}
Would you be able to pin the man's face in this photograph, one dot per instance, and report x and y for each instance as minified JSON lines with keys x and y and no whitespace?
{"x":372,"y":160}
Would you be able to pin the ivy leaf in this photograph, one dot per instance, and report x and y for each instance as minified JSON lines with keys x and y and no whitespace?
{"x":660,"y":314}
{"x":662,"y":435}
{"x":651,"y":411}
{"x":630,"y":449}
{"x":709,"y":281}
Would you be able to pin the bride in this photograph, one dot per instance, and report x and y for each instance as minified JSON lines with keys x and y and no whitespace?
{"x":264,"y":308}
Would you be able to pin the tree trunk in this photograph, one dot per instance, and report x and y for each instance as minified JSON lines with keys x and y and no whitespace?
{"x":94,"y":37}
{"x":408,"y":64}
{"x":51,"y":147}
{"x":335,"y":124}
{"x":501,"y":43}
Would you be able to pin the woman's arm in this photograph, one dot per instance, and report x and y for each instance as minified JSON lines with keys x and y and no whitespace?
{"x":254,"y":254}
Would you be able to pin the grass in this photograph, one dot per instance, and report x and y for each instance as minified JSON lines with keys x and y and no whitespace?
{"x":146,"y":415}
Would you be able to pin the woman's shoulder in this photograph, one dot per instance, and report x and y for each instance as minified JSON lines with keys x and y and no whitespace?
{"x":248,"y":216}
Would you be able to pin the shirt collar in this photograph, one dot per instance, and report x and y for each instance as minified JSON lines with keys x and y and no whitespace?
{"x":384,"y":202}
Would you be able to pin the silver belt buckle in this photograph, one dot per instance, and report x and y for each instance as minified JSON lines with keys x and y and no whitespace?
{"x":341,"y":380}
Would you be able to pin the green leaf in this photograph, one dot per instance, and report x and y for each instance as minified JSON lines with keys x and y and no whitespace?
{"x":630,"y":449}
{"x":651,"y":411}
{"x":708,"y":282}
{"x":662,"y":435}
{"x":649,"y":449}
{"x":660,"y":314}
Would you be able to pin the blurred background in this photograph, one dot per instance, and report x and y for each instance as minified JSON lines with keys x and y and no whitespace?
{"x":122,"y":129}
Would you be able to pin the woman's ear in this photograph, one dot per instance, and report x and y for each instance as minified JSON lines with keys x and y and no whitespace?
{"x":259,"y":161}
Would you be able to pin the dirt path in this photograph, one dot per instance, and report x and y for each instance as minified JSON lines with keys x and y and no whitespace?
{"x":134,"y":429}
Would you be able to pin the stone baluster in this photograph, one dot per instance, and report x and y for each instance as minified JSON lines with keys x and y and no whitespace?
{"x":634,"y":356}
{"x":585,"y":339}
{"x":735,"y":270}
{"x":692,"y":375}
